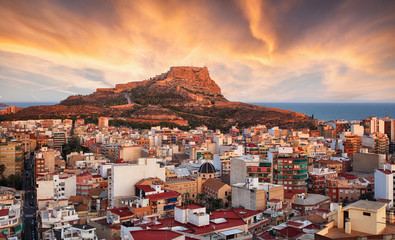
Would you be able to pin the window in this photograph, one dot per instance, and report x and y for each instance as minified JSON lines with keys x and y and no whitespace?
{"x":366,"y":214}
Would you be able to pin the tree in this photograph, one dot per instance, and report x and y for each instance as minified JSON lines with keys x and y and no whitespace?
{"x":2,"y":169}
{"x":228,"y":201}
{"x":218,"y":203}
{"x":73,"y":145}
{"x":210,"y":202}
{"x":200,"y":198}
{"x":15,"y":181}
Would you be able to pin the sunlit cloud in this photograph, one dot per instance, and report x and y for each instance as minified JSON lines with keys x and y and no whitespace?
{"x":257,"y":51}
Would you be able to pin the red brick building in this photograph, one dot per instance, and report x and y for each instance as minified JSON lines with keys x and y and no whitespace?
{"x":345,"y":190}
{"x":317,"y":179}
{"x":84,"y":183}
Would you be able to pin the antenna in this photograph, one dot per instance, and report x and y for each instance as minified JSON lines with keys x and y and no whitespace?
{"x":245,"y":144}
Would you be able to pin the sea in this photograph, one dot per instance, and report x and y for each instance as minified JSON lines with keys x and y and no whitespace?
{"x":337,"y":111}
{"x":321,"y":111}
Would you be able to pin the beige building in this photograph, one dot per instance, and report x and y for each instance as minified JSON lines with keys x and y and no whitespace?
{"x":253,"y":195}
{"x":215,"y":188}
{"x":183,"y":186}
{"x":11,"y":156}
{"x":130,"y":153}
{"x":360,"y":219}
{"x":367,"y":162}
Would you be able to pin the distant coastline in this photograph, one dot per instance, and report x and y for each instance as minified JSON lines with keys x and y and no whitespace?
{"x":321,"y":111}
{"x":25,"y":104}
{"x":337,"y":111}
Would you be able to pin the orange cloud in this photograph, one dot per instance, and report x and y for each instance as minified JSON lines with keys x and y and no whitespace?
{"x":334,"y":50}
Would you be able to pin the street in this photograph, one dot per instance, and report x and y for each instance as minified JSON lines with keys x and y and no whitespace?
{"x":29,"y":208}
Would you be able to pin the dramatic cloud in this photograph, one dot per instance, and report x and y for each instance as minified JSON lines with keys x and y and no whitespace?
{"x":257,"y":51}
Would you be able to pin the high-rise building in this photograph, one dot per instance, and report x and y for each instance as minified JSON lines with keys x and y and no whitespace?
{"x":250,"y":166}
{"x":59,"y":139}
{"x":352,"y":144}
{"x":290,"y":172}
{"x":11,"y":155}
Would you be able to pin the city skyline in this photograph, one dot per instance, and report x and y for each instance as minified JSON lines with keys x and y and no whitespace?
{"x":256,"y":51}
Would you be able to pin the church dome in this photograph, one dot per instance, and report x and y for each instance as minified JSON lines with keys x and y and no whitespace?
{"x":207,"y":168}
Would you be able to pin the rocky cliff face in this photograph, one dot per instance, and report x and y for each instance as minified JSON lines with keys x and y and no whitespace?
{"x":182,"y":94}
{"x":193,"y":78}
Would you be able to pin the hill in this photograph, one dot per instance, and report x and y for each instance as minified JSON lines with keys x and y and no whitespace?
{"x":183,"y":95}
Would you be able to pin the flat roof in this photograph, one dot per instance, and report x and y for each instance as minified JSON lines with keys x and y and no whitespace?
{"x":365,"y":204}
{"x":232,"y":232}
{"x":311,"y":199}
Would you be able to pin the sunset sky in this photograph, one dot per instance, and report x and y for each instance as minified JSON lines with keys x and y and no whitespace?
{"x":256,"y":51}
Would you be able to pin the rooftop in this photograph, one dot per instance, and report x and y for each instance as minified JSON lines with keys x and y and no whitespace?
{"x":121,"y":212}
{"x":164,"y":195}
{"x":311,"y":199}
{"x":259,"y":186}
{"x":154,"y":234}
{"x":214,"y":183}
{"x":387,"y":172}
{"x":365,"y":204}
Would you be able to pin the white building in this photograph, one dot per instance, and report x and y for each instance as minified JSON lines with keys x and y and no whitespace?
{"x":69,"y":232}
{"x":59,"y":216}
{"x":125,"y":176}
{"x":384,"y":185}
{"x":10,"y":212}
{"x":55,"y":187}
{"x":193,"y":214}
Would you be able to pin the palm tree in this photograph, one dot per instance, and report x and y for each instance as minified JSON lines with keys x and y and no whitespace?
{"x":228,"y":201}
{"x":200,"y":198}
{"x":218,"y":203}
{"x":210,"y":201}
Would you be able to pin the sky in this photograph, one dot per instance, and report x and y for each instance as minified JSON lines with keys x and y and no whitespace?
{"x":256,"y":51}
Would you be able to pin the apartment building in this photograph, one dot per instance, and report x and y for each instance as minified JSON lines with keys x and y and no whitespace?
{"x":63,"y":215}
{"x":254,"y":195}
{"x":11,"y":155}
{"x":384,"y":185}
{"x":317,"y":179}
{"x":10,"y":212}
{"x":290,"y":172}
{"x":124,"y":176}
{"x":52,"y":188}
{"x":250,"y":166}
{"x":345,"y":190}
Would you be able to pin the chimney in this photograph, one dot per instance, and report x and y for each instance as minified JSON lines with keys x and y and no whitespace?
{"x":339,"y":216}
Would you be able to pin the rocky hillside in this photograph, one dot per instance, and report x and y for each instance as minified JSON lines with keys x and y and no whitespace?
{"x":183,"y":94}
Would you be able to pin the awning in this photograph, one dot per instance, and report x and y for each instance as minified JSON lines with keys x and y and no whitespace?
{"x":18,"y":228}
{"x":231,"y":232}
